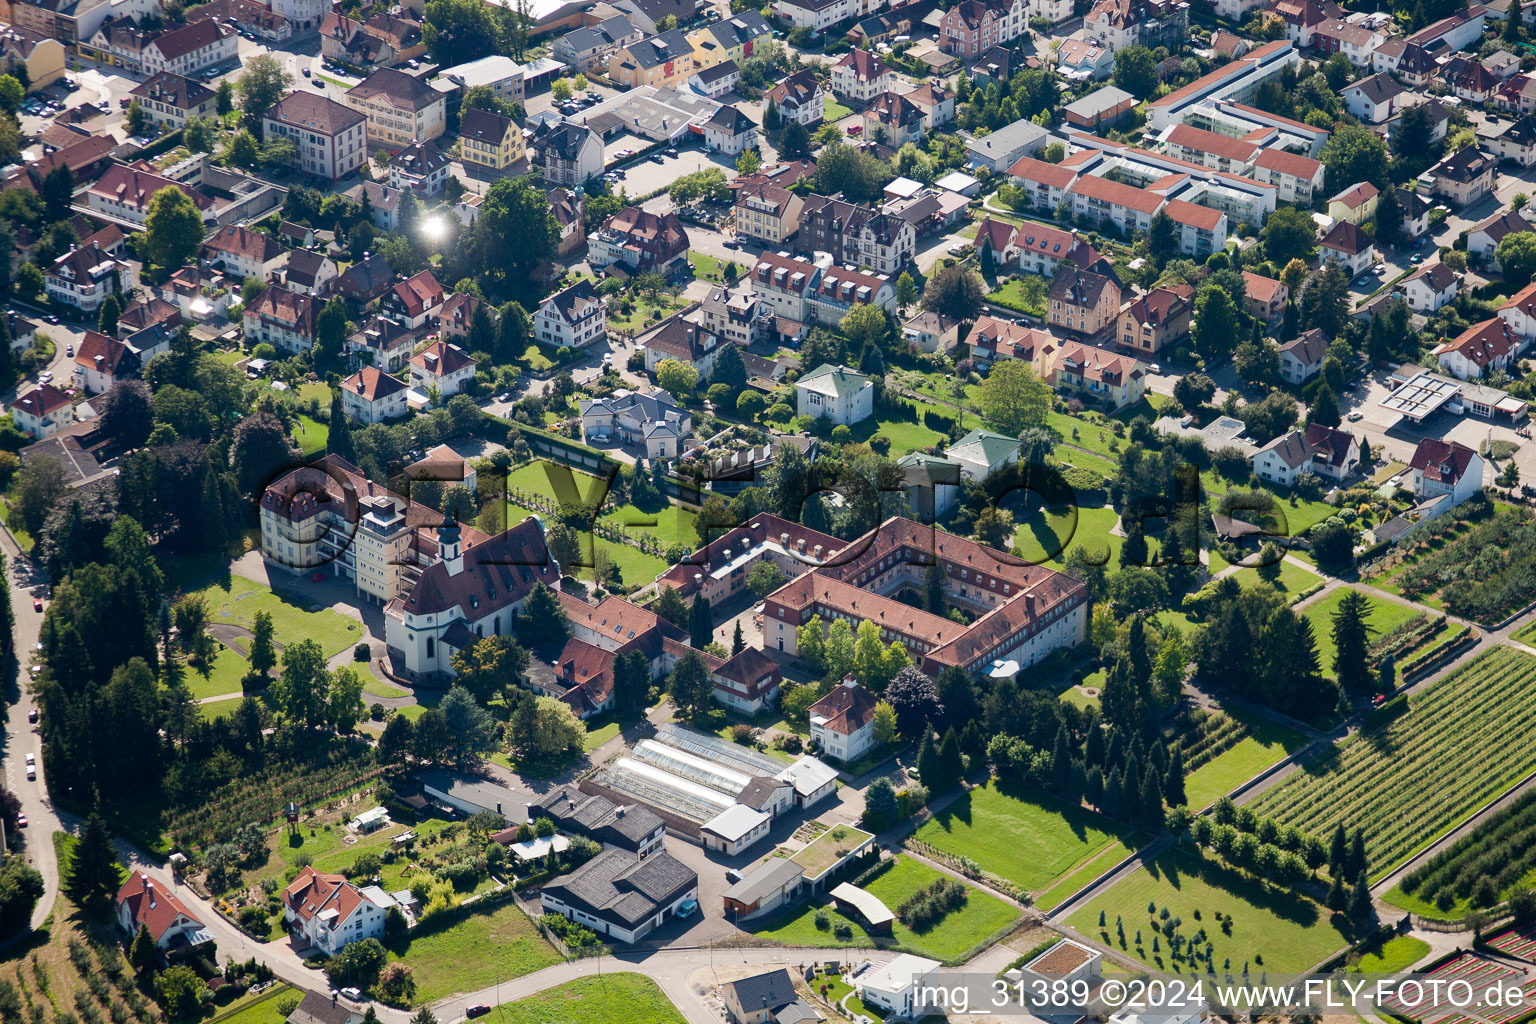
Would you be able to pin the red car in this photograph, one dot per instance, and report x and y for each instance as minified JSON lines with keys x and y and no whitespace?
{"x":1378,"y":700}
{"x":37,"y":604}
{"x":478,"y":1010}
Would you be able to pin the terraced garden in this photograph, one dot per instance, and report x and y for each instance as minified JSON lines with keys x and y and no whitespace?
{"x":1458,"y":746}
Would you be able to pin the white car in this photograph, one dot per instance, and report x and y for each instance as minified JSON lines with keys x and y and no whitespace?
{"x":1354,"y":417}
{"x":31,"y":760}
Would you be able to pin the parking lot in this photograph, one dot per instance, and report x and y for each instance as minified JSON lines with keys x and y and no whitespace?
{"x":661,"y":169}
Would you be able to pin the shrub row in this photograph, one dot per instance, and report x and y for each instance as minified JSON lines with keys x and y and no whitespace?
{"x":929,"y":905}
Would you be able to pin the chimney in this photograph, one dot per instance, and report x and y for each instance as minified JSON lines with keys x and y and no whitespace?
{"x":1029,"y":603}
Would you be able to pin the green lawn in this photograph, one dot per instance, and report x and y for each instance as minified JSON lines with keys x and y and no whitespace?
{"x":980,"y":917}
{"x":237,"y":600}
{"x":1031,"y":840}
{"x":1273,"y":929}
{"x":1384,"y":617}
{"x":260,"y":1010}
{"x":316,"y":390}
{"x":636,"y":567}
{"x":631,"y":998}
{"x":1392,"y":955}
{"x":833,"y":110}
{"x":1058,"y":894}
{"x":502,"y":944}
{"x":218,"y":708}
{"x":1293,"y":580}
{"x":1045,"y":536}
{"x":1011,"y":294}
{"x":1266,"y":743}
{"x":711,"y":269}
{"x":228,"y":670}
{"x":311,"y":435}
{"x":671,"y":525}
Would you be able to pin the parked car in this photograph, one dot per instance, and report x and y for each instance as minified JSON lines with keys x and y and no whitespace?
{"x":32,"y":716}
{"x":478,"y":1010}
{"x":1354,"y":416}
{"x":306,"y":72}
{"x":21,"y":819}
{"x":687,"y":907}
{"x":69,"y":350}
{"x":37,"y":604}
{"x":353,"y":994}
{"x":32,"y":760}
{"x":31,"y":773}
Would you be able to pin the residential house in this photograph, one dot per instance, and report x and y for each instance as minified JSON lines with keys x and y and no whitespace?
{"x":972,"y":27}
{"x":1045,"y":184}
{"x":1082,"y":301}
{"x":657,"y":60}
{"x":573,"y":317}
{"x":382,"y":342}
{"x":309,"y":272}
{"x":1484,"y":237}
{"x":1440,"y":468}
{"x":584,"y":47}
{"x":842,"y":395}
{"x":372,"y":396}
{"x":185,"y":50}
{"x":736,"y":316}
{"x":767,"y":212}
{"x":331,"y":913}
{"x":764,"y":999}
{"x":640,"y":241}
{"x":144,"y":904}
{"x":567,"y":154}
{"x":1302,"y":357}
{"x":1210,"y":149}
{"x":1429,"y":287}
{"x":1115,"y":380}
{"x":1159,"y":318}
{"x":653,"y":421}
{"x":620,"y":896}
{"x":729,"y":40}
{"x":1469,"y":79}
{"x":1375,"y":99}
{"x":445,"y":367}
{"x":381,"y":202}
{"x":1516,"y":142}
{"x":1355,"y":204}
{"x":421,"y":167}
{"x":170,"y":100}
{"x":123,"y":194}
{"x":1296,"y":178}
{"x":843,"y":723}
{"x":856,"y":235}
{"x":1356,"y":40}
{"x":86,"y":275}
{"x":1349,"y":246}
{"x":414,"y":301}
{"x":1127,"y":207}
{"x":570,"y":210}
{"x":315,"y":1008}
{"x":1481,"y":349}
{"x":245,"y":252}
{"x":1464,"y":177}
{"x":282,"y":318}
{"x":980,"y":453}
{"x":893,"y":987}
{"x":1267,"y":298}
{"x":42,"y":57}
{"x":931,"y":332}
{"x":101,"y":361}
{"x":458,"y":312}
{"x":330,"y":138}
{"x":716,"y":80}
{"x":1118,"y":24}
{"x":893,"y":120}
{"x":1335,"y":453}
{"x":634,"y":827}
{"x":42,"y":412}
{"x":801,"y":291}
{"x":1083,"y":60}
{"x":997,"y":151}
{"x":401,"y":109}
{"x":800,"y":97}
{"x":747,"y":683}
{"x":488,"y":140}
{"x":861,"y":76}
{"x":937,"y":104}
{"x":1283,"y":459}
{"x":1201,"y":230}
{"x":729,"y":131}
{"x":993,"y":339}
{"x":1519,"y":311}
{"x":1415,"y":212}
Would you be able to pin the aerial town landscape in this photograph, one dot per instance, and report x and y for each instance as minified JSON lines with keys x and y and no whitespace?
{"x":697,"y":512}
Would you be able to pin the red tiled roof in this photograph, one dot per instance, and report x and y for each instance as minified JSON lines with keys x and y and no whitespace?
{"x":1485,"y":343}
{"x":1261,"y":289}
{"x":1285,"y":162}
{"x":151,"y":906}
{"x":847,"y":709}
{"x":1201,"y":217}
{"x":1202,"y":141}
{"x":448,"y":359}
{"x":1048,"y":174}
{"x":373,"y":384}
{"x":42,"y":400}
{"x":1117,"y":193}
{"x":95,"y":344}
{"x":1441,"y":461}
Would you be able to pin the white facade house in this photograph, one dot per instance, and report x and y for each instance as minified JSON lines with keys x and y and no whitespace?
{"x":844,"y":396}
{"x":861,"y":76}
{"x":1429,"y":287}
{"x":445,"y":367}
{"x":372,"y":396}
{"x":331,"y":913}
{"x":1441,"y":468}
{"x":843,"y":722}
{"x":894,"y":986}
{"x":143,"y":903}
{"x":573,"y":317}
{"x":42,"y":412}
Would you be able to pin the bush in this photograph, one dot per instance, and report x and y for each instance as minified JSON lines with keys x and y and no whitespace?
{"x":742,"y":733}
{"x":823,"y":921}
{"x":927,"y":907}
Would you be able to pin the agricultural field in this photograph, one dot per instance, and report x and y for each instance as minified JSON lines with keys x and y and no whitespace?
{"x":1483,"y":572}
{"x":1031,"y":840}
{"x":1483,"y":867}
{"x":1460,"y":744}
{"x":1272,"y":929}
{"x":632,"y":998}
{"x":1222,"y":751}
{"x":981,"y":917}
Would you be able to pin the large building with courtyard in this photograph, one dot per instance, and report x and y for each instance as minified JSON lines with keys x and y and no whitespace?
{"x":1018,"y":612}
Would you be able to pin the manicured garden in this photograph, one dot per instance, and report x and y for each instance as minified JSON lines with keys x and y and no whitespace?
{"x":1460,"y":744}
{"x":981,"y":917}
{"x":262,"y":1009}
{"x":1271,"y":929}
{"x":1030,"y":839}
{"x":472,"y":952}
{"x":631,"y":998}
{"x":236,"y":600}
{"x":1292,"y":582}
{"x":1384,"y":616}
{"x":1045,"y":536}
{"x":1389,"y":956}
